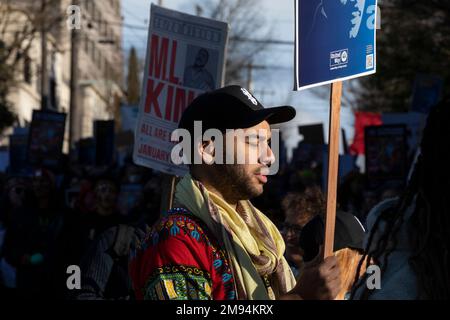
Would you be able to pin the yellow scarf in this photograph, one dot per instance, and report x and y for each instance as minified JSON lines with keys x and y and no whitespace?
{"x":253,"y":243}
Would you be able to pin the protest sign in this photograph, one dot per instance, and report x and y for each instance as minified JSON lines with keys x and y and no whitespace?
{"x":386,"y":156}
{"x":427,"y":92}
{"x":334,"y":41}
{"x":185,"y":57}
{"x":104,"y":142}
{"x":46,"y":138}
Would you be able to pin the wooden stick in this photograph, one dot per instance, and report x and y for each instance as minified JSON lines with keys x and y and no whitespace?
{"x":167,"y":193}
{"x":333,"y":166}
{"x":172,"y":191}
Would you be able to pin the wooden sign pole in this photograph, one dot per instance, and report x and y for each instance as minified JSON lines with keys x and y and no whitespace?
{"x":172,"y":191}
{"x":168,"y":190}
{"x":333,"y":166}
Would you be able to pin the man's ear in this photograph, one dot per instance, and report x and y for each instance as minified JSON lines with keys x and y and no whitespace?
{"x":207,"y":151}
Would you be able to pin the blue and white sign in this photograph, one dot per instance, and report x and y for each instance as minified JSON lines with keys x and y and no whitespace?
{"x":334,"y":41}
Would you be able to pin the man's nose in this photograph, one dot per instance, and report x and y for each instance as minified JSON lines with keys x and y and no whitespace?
{"x":266,"y":157}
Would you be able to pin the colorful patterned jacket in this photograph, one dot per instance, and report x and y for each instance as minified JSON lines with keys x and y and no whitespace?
{"x":180,"y":260}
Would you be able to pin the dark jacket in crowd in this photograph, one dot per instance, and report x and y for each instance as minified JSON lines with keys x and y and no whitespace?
{"x":104,"y":267}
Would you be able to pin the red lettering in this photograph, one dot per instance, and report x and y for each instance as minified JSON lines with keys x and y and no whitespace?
{"x":169,"y":103}
{"x":158,"y":57}
{"x":145,"y":129}
{"x":181,"y":103}
{"x":152,"y":98}
{"x":154,"y":153}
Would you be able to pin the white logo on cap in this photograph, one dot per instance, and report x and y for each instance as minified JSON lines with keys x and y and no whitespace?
{"x":249,"y":96}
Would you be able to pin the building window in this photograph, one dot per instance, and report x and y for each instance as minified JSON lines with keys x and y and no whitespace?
{"x":27,"y":69}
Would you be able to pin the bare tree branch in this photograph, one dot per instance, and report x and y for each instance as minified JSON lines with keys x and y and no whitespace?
{"x":245,"y":18}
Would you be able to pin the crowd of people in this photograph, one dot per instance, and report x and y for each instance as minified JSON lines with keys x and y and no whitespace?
{"x":52,"y":219}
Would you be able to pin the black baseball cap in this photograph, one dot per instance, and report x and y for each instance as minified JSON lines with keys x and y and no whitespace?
{"x":231,"y":107}
{"x":348,"y":233}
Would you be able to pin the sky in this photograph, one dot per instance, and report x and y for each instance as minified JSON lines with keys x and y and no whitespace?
{"x":272,"y":86}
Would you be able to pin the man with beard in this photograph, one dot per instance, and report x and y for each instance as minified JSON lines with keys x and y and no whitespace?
{"x":214,"y":244}
{"x":196,"y":75}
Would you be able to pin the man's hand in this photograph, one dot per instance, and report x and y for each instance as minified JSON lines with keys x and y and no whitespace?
{"x":320,"y":280}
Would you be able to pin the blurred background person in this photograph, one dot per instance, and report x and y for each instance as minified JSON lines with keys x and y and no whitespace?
{"x":299,"y":209}
{"x":23,"y":247}
{"x":17,"y":198}
{"x":104,"y":214}
{"x":409,"y":236}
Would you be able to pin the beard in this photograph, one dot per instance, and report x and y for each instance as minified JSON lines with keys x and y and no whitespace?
{"x":235,"y":183}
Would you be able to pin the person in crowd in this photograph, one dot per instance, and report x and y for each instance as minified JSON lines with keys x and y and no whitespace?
{"x":146,"y":211}
{"x":104,"y":214}
{"x":348,"y":246}
{"x":17,"y":200}
{"x":51,"y":219}
{"x":214,"y":244}
{"x":95,"y":212}
{"x":73,"y":239}
{"x":29,"y":240}
{"x":409,"y":236}
{"x":299,"y":209}
{"x":105,"y":264}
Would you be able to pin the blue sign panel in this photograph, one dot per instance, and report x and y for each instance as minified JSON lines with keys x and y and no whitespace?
{"x":334,"y":41}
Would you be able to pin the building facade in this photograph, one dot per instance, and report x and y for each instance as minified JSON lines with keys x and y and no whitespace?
{"x":99,"y":60}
